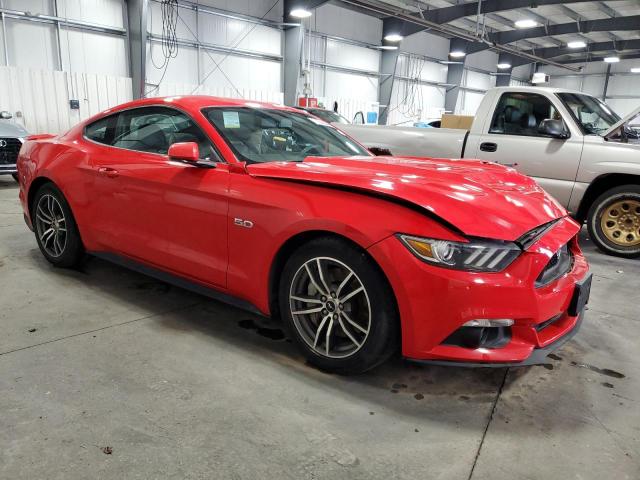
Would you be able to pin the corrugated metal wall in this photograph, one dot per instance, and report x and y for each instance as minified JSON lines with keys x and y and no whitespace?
{"x":39,"y":99}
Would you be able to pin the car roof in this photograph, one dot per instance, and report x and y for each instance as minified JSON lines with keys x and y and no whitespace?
{"x":196,"y":102}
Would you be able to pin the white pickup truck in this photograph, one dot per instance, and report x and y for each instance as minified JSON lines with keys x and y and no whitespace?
{"x":571,"y":143}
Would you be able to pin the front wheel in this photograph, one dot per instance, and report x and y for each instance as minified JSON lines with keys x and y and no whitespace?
{"x":614,"y":221}
{"x":338,"y":306}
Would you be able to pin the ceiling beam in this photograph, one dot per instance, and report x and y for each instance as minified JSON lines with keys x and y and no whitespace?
{"x":599,"y":58}
{"x":586,"y":26}
{"x":448,"y":14}
{"x":554,"y":52}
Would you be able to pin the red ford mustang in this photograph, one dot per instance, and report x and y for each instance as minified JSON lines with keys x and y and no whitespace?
{"x":456,"y":261}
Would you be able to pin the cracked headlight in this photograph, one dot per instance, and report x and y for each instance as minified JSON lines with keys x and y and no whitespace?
{"x":475,"y":255}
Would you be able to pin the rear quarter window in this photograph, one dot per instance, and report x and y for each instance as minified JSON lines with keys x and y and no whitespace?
{"x":101,"y":131}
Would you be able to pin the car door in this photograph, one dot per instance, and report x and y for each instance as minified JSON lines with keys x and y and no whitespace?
{"x":512,"y":138}
{"x":170,"y":214}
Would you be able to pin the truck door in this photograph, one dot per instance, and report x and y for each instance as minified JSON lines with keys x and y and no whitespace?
{"x":512,"y":137}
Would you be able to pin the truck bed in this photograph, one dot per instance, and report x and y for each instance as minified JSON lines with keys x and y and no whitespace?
{"x":411,"y":141}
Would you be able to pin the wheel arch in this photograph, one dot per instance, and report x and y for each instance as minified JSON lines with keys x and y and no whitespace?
{"x":296,"y":241}
{"x":600,"y":185}
{"x":35,"y":185}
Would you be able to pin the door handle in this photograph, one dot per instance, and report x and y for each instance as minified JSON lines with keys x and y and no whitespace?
{"x":488,"y":146}
{"x":108,"y":172}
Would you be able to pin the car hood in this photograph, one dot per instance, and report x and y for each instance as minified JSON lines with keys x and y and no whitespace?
{"x":10,"y":129}
{"x":479,"y":198}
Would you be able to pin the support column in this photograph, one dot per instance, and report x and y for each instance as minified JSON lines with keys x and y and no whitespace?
{"x":137,"y":28}
{"x":454,"y":73}
{"x":388,"y":64}
{"x":293,"y":39}
{"x":454,"y":80}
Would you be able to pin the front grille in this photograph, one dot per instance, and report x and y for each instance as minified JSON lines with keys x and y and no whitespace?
{"x":559,"y":264}
{"x":9,"y":148}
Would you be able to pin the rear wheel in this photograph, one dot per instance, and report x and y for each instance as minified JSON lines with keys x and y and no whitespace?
{"x":614,"y":221}
{"x":15,"y":177}
{"x":55,"y":227}
{"x":338,"y":307}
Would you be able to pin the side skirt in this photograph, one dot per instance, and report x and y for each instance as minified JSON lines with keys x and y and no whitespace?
{"x":178,"y":281}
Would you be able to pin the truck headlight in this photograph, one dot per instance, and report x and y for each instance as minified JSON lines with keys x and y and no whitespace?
{"x":475,"y":255}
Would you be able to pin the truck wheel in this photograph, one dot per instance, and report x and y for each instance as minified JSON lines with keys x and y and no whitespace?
{"x":614,"y":221}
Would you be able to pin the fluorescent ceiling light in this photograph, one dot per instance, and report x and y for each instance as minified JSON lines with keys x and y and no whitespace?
{"x":504,"y":66}
{"x":450,"y":62}
{"x":577,"y":44}
{"x":457,"y":54}
{"x":300,"y":13}
{"x":388,"y":47}
{"x":612,"y":59}
{"x":635,"y":70}
{"x":526,"y":23}
{"x":393,"y":37}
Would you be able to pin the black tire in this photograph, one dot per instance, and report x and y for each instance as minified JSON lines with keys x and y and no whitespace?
{"x":15,"y":177}
{"x":72,"y":251}
{"x":338,"y":256}
{"x":600,"y":207}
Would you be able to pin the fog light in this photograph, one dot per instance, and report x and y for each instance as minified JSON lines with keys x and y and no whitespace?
{"x":483,"y":322}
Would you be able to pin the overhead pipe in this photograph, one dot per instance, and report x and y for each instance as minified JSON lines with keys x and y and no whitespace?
{"x":453,"y":31}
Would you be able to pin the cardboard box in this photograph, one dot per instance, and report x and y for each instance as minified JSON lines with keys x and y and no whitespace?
{"x":461,"y":122}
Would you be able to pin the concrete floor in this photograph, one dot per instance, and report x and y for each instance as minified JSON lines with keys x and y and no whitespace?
{"x":180,"y":386}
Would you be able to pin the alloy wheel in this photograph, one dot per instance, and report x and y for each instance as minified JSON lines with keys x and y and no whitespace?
{"x":51,"y":225}
{"x":620,"y":223}
{"x":330,"y":307}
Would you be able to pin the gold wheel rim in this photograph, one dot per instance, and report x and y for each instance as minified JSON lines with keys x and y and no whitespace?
{"x":620,"y":223}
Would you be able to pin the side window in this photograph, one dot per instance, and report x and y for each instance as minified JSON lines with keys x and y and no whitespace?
{"x":155,"y":129}
{"x":520,"y":113}
{"x":101,"y":131}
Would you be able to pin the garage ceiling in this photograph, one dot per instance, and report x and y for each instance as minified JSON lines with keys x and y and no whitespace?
{"x":606,"y":27}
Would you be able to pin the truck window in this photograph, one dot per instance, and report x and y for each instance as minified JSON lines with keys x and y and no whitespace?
{"x":520,"y":113}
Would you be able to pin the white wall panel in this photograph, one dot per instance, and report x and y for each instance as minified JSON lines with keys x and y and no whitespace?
{"x":244,"y":73}
{"x":570,"y":83}
{"x":40,"y":99}
{"x":593,"y":85}
{"x":468,"y":102}
{"x":478,"y":80}
{"x":352,"y":56}
{"x":623,"y":106}
{"x":424,"y":103}
{"x":79,"y":53}
{"x":31,"y":44}
{"x":346,"y":85}
{"x":44,"y":7}
{"x":485,"y":60}
{"x":253,"y":8}
{"x":427,"y":44}
{"x":181,"y":69}
{"x":342,"y":22}
{"x":103,"y":12}
{"x":169,"y":89}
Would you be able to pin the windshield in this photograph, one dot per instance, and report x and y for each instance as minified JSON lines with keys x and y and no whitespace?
{"x":264,"y":135}
{"x":328,"y":115}
{"x":594,"y":116}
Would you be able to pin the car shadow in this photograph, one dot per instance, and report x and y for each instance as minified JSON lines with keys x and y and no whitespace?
{"x":429,"y":392}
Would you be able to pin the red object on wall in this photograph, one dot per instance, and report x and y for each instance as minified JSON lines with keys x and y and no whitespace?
{"x":308,"y":102}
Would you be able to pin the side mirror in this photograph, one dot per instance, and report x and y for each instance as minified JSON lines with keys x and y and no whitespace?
{"x":6,"y":115}
{"x":553,"y":128}
{"x":184,"y":151}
